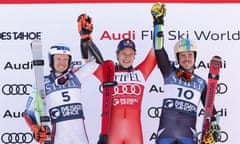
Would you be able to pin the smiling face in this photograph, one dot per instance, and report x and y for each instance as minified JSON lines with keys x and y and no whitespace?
{"x":187,"y":60}
{"x":126,"y":57}
{"x":60,"y":62}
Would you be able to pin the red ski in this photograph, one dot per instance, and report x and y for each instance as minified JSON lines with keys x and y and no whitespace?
{"x":213,"y":76}
{"x":108,"y":84}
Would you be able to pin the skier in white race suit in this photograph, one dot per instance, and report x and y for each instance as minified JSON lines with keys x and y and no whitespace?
{"x":63,"y":97}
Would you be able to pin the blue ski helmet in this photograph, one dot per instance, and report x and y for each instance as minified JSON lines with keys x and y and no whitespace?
{"x":126,"y":43}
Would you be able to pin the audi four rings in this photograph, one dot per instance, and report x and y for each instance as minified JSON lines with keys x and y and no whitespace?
{"x":154,"y":112}
{"x":134,"y":89}
{"x":17,"y":138}
{"x":16,"y":89}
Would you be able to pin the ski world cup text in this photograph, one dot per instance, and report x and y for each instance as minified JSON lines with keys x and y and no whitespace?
{"x":195,"y":34}
{"x":20,"y":35}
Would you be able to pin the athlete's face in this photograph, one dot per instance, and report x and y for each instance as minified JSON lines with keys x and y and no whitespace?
{"x":126,"y":57}
{"x":60,"y":62}
{"x":186,"y":60}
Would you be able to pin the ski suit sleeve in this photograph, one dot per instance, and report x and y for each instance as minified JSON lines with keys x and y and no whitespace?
{"x":88,"y":48}
{"x":148,"y":64}
{"x":158,"y":12}
{"x":163,"y":61}
{"x":32,"y":118}
{"x":86,"y":70}
{"x":29,"y":114}
{"x":99,"y":73}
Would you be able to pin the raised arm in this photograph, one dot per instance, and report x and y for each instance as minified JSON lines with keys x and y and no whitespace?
{"x":158,"y":12}
{"x":88,"y":48}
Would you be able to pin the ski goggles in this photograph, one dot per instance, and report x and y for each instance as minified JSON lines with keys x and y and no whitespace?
{"x":185,"y":75}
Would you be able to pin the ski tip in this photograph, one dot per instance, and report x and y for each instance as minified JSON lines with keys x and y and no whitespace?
{"x":36,"y":42}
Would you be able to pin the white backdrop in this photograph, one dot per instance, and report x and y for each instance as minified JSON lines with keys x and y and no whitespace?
{"x":214,"y":27}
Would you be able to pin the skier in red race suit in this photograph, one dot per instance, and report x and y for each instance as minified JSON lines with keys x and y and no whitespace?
{"x":125,"y":117}
{"x":184,"y":89}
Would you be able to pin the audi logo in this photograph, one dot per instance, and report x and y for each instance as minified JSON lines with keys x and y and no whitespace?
{"x":221,"y":88}
{"x":134,"y":89}
{"x":223,"y":136}
{"x":16,"y":89}
{"x":129,"y":89}
{"x":154,"y":112}
{"x":17,"y":138}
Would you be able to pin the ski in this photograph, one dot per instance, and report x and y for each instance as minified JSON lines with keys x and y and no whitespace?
{"x":213,"y":77}
{"x":38,"y":67}
{"x":108,"y":84}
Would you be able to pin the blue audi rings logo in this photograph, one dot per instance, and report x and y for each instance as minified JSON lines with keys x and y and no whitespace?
{"x":221,"y":88}
{"x":17,"y":138}
{"x":16,"y":89}
{"x":154,"y":112}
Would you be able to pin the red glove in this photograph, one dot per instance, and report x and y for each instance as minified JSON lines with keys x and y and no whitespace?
{"x":39,"y":133}
{"x":85,"y":26}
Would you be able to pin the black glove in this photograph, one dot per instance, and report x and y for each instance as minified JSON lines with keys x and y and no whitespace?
{"x":85,"y":26}
{"x":158,"y":12}
{"x":103,"y":139}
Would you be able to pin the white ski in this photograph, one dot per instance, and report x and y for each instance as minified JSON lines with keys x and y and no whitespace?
{"x":38,"y":66}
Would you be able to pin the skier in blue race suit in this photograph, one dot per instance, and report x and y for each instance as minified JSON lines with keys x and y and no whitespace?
{"x":183,"y":88}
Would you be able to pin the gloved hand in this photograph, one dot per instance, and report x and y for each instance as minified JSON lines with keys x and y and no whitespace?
{"x":215,"y":130}
{"x":39,"y":133}
{"x":158,"y":12}
{"x":103,"y":139}
{"x":85,"y":26}
{"x":212,"y":135}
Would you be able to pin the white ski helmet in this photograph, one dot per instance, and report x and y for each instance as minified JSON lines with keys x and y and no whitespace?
{"x":58,"y":49}
{"x":185,"y":45}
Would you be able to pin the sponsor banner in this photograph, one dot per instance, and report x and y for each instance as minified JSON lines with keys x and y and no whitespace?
{"x":214,"y":27}
{"x":111,"y":1}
